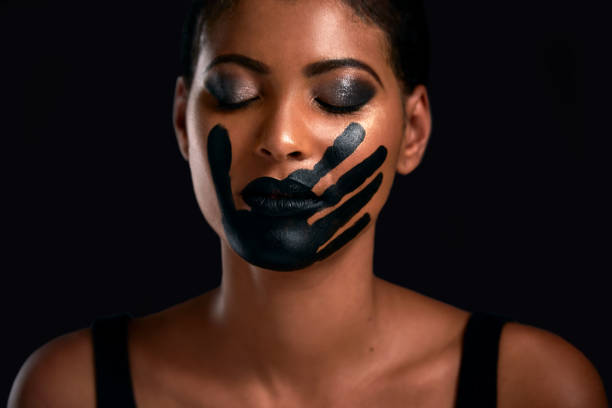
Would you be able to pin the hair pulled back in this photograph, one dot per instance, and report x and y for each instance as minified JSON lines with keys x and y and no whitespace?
{"x":403,"y":21}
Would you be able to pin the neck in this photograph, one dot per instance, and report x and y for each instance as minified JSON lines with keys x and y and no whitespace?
{"x":296,"y":326}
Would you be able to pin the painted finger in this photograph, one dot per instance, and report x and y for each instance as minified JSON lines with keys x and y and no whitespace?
{"x":327,"y":226}
{"x":344,"y":238}
{"x":355,"y":177}
{"x":220,"y":161}
{"x":343,"y":147}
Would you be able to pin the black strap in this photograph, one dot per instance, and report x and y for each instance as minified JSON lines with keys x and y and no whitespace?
{"x":477,"y":385}
{"x":112,"y":368}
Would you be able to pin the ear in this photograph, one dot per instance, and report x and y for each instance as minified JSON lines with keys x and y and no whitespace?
{"x":417,"y":128}
{"x":181,"y":95}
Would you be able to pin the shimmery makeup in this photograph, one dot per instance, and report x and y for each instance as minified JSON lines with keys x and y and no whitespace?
{"x":346,"y":92}
{"x":229,"y":90}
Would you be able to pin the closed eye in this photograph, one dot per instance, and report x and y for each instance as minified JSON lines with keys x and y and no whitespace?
{"x":229,"y":106}
{"x":339,"y":110}
{"x":230,"y":92}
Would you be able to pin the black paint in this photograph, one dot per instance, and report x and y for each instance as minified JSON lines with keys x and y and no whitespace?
{"x":275,"y":234}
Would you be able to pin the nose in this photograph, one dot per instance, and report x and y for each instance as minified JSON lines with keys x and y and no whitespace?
{"x":284,"y":136}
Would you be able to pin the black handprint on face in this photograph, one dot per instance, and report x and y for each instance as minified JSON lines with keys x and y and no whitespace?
{"x":275,"y":234}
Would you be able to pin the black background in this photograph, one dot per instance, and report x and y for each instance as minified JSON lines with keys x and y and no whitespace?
{"x":506,"y":213}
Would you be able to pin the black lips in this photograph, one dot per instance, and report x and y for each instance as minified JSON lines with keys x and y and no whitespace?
{"x":275,"y":234}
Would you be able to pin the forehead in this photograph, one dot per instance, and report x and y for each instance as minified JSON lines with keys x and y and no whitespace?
{"x":291,"y":34}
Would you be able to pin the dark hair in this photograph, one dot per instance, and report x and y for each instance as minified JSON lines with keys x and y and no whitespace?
{"x":403,"y":21}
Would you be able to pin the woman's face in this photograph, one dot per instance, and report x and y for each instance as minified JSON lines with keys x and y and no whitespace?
{"x":294,"y":127}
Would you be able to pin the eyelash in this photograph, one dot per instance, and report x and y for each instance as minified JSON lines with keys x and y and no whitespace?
{"x":328,"y":108}
{"x":234,"y":106}
{"x":339,"y":110}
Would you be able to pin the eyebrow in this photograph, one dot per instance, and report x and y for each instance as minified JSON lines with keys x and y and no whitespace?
{"x":316,"y":68}
{"x":239,"y":59}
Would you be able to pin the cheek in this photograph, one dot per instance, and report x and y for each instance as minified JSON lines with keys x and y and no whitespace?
{"x":205,"y":192}
{"x":386,"y":129}
{"x":389,"y":173}
{"x":203,"y":186}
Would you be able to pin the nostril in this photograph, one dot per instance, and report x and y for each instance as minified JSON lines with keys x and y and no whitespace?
{"x":295,"y":155}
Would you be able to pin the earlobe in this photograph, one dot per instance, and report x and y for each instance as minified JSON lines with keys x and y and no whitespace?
{"x":178,"y":116}
{"x":416,"y":130}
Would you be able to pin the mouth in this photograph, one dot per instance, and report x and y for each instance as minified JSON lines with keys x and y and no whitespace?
{"x":276,"y":198}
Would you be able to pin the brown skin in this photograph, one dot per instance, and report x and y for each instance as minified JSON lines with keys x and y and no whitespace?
{"x":331,"y":335}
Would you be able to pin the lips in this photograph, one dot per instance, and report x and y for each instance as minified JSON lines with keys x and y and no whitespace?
{"x":280,"y":198}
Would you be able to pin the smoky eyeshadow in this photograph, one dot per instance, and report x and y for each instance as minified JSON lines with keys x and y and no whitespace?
{"x":347,"y":91}
{"x":228,"y":89}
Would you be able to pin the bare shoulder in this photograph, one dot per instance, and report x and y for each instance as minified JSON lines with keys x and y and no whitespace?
{"x":540,"y":369}
{"x":58,"y":374}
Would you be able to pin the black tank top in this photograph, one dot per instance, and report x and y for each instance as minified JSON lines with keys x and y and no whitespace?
{"x":476,"y":387}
